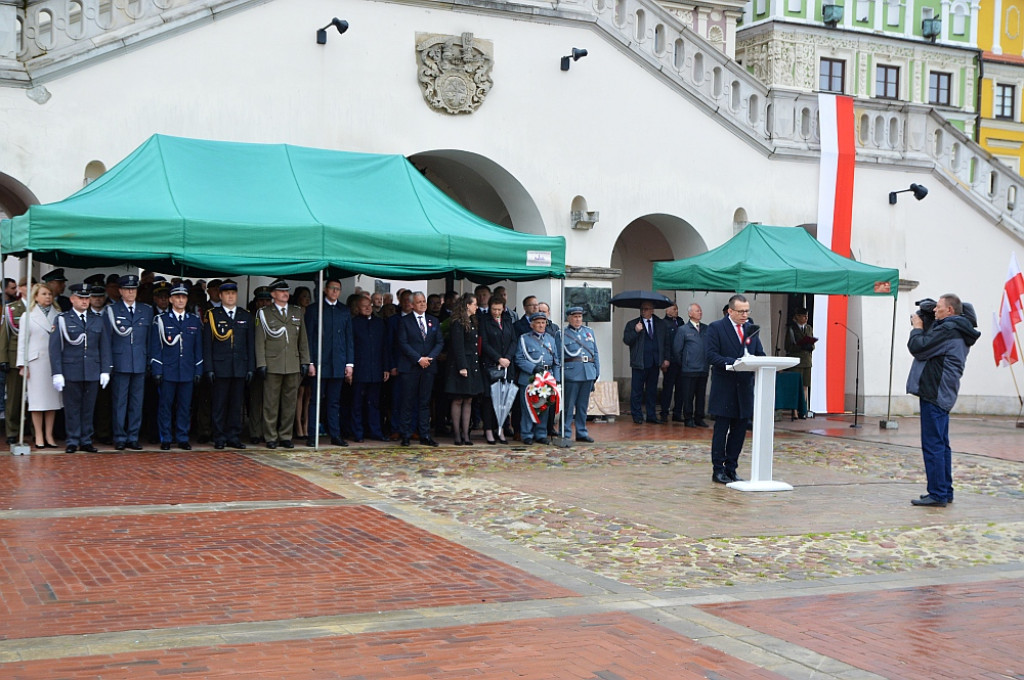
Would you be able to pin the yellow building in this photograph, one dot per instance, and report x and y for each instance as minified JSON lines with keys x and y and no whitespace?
{"x":1001,"y":40}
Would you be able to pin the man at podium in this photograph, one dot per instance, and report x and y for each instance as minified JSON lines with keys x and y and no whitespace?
{"x":732,"y":393}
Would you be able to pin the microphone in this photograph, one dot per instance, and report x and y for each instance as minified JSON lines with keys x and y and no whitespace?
{"x":748,"y":335}
{"x":840,"y":323}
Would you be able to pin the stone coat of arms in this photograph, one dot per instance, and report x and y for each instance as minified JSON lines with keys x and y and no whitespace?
{"x":454,"y":71}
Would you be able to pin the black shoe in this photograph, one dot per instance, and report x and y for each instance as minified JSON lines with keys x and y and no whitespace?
{"x":286,"y":443}
{"x":70,"y":449}
{"x":165,"y":446}
{"x":119,"y":446}
{"x":721,"y":478}
{"x":690,"y":423}
{"x":311,"y":442}
{"x":585,"y":438}
{"x":338,"y":441}
{"x":427,"y":441}
{"x":664,"y":416}
{"x":701,"y":423}
{"x":218,"y":445}
{"x":678,"y":419}
{"x":134,"y":446}
{"x":655,"y":421}
{"x":527,"y":442}
{"x":928,"y":501}
{"x":184,"y":446}
{"x":88,"y":448}
{"x":254,"y":440}
{"x":405,"y":441}
{"x":638,"y":421}
{"x":734,"y":477}
{"x":271,"y":445}
{"x":12,"y":440}
{"x":542,"y":440}
{"x":924,"y":495}
{"x":236,"y":444}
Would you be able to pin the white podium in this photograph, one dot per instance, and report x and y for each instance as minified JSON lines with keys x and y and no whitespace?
{"x":764,"y":421}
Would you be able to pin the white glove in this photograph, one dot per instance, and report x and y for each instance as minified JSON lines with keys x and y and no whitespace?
{"x":58,"y":382}
{"x":104,"y":380}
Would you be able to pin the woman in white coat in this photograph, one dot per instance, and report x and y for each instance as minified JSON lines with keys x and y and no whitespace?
{"x":34,"y":360}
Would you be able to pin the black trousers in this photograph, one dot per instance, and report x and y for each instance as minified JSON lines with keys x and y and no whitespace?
{"x":672,"y":383}
{"x":695,"y":389}
{"x":727,"y":442}
{"x":417,"y":386}
{"x":79,"y":406}
{"x":227,"y":398}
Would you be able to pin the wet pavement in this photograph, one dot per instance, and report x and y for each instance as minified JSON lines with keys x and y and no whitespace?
{"x":605,"y":561}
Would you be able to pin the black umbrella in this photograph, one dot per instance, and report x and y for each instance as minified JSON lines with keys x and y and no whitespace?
{"x":636,"y":298}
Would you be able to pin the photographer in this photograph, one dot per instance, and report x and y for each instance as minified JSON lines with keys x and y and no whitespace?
{"x":940,"y":348}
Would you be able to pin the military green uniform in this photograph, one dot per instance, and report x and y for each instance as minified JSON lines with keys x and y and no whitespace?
{"x":9,"y":327}
{"x":281,"y":347}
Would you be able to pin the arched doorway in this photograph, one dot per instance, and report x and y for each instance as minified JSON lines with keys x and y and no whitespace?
{"x":652,"y":238}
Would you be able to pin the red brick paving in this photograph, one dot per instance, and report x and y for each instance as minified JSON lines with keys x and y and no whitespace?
{"x":962,"y":631}
{"x":602,"y":647}
{"x":61,"y":576}
{"x":82,"y":480}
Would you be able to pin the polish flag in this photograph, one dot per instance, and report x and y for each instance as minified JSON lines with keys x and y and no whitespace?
{"x":1015,"y":291}
{"x":1003,"y":344}
{"x":835,"y":219}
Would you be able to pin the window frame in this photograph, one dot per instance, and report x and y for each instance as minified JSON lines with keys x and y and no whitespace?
{"x":889,"y":69}
{"x":831,"y":76}
{"x":999,"y":101}
{"x":935,"y":88}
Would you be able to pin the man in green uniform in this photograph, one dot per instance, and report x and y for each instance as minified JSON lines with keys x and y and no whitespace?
{"x":282,"y":357}
{"x":9,"y":327}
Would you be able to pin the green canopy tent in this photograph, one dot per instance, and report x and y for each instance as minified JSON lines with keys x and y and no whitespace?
{"x":202,"y":207}
{"x":763,"y":259}
{"x":198,"y":207}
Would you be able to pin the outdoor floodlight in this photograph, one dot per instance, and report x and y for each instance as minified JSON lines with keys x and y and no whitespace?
{"x":321,"y":33}
{"x":576,"y":55}
{"x":919,"y":193}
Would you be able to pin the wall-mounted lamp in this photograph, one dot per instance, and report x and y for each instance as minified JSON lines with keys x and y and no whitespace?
{"x":576,"y":55}
{"x":919,"y":193}
{"x":321,"y":33}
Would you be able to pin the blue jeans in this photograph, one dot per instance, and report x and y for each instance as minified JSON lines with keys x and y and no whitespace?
{"x":577,"y":401}
{"x":938,"y":457}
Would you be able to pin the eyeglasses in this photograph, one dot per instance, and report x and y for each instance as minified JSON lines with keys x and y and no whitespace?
{"x":742,"y":311}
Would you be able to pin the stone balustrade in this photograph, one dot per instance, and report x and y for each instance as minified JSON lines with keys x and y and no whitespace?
{"x":61,"y":34}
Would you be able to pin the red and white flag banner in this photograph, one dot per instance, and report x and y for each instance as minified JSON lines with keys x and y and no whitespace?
{"x":1014,"y":289}
{"x":1004,"y":346}
{"x":835,"y":219}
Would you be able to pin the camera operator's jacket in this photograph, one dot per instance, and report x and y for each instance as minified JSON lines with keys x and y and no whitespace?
{"x":939,"y":357}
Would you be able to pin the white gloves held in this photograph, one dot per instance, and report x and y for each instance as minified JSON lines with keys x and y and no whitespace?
{"x":104,"y":380}
{"x":58,"y":382}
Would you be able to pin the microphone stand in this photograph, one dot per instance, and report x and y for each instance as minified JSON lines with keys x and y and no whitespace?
{"x":778,"y":348}
{"x":856,"y":393}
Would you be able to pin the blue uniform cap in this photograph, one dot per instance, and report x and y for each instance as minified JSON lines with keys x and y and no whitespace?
{"x":538,"y":315}
{"x":573,"y":310}
{"x":179,"y":289}
{"x":128,"y":281}
{"x":80,"y":290}
{"x":227,"y":284}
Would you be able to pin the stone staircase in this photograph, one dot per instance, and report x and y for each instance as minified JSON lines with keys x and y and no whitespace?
{"x":61,"y":35}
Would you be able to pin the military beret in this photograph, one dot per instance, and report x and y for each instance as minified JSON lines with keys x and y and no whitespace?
{"x":54,"y":275}
{"x":79,"y":289}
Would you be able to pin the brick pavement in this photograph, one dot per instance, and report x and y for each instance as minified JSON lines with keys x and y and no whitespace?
{"x":74,"y":575}
{"x":600,"y":647}
{"x":955,"y":631}
{"x":84,"y":479}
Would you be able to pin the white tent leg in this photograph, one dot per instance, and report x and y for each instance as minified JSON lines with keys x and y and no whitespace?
{"x":319,"y":362}
{"x":889,"y":423}
{"x":22,"y":447}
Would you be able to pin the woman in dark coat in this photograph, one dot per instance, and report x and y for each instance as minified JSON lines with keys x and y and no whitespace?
{"x":463,"y":381}
{"x":499,"y":350}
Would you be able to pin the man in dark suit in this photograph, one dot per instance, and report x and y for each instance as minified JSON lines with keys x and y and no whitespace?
{"x":130,"y":324}
{"x":337,"y":359}
{"x":648,"y":355}
{"x":690,"y":352}
{"x":229,"y":356}
{"x":370,"y":342}
{"x":419,"y":343}
{"x":732,"y":393}
{"x":397,"y":395}
{"x":673,"y":380}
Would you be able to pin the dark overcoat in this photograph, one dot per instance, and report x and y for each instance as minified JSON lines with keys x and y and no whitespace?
{"x":732,"y":392}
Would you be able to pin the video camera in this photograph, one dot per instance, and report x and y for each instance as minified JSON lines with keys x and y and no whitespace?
{"x":926,"y":310}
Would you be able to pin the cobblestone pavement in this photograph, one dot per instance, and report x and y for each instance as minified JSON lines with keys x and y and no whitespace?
{"x":479,"y":487}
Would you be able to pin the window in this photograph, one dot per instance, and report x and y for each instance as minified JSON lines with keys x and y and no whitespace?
{"x":832,"y":76}
{"x":938,"y":88}
{"x":887,"y":82}
{"x":1003,"y":106}
{"x":892,"y":12}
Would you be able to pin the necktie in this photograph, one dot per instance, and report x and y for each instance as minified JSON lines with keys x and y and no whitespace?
{"x":231,"y":315}
{"x":131,"y":312}
{"x":650,"y":328}
{"x":423,"y":327}
{"x":739,"y":330}
{"x":181,"y":317}
{"x":82,"y":317}
{"x":281,"y":309}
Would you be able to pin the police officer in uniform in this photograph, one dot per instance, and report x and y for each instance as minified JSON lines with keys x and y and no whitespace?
{"x":582,"y":367}
{"x":536,"y":352}
{"x":176,"y":358}
{"x":10,"y":326}
{"x":130,"y":325}
{"x":102,"y":419}
{"x":80,"y":361}
{"x":55,"y":281}
{"x":282,"y":357}
{"x":230,"y":360}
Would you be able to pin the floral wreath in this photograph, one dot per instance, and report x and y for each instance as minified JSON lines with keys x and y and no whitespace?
{"x":542,"y":394}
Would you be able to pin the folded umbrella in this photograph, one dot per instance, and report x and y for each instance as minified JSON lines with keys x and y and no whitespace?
{"x":503,"y":396}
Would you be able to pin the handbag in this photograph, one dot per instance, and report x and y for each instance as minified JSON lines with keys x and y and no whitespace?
{"x":496,"y":373}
